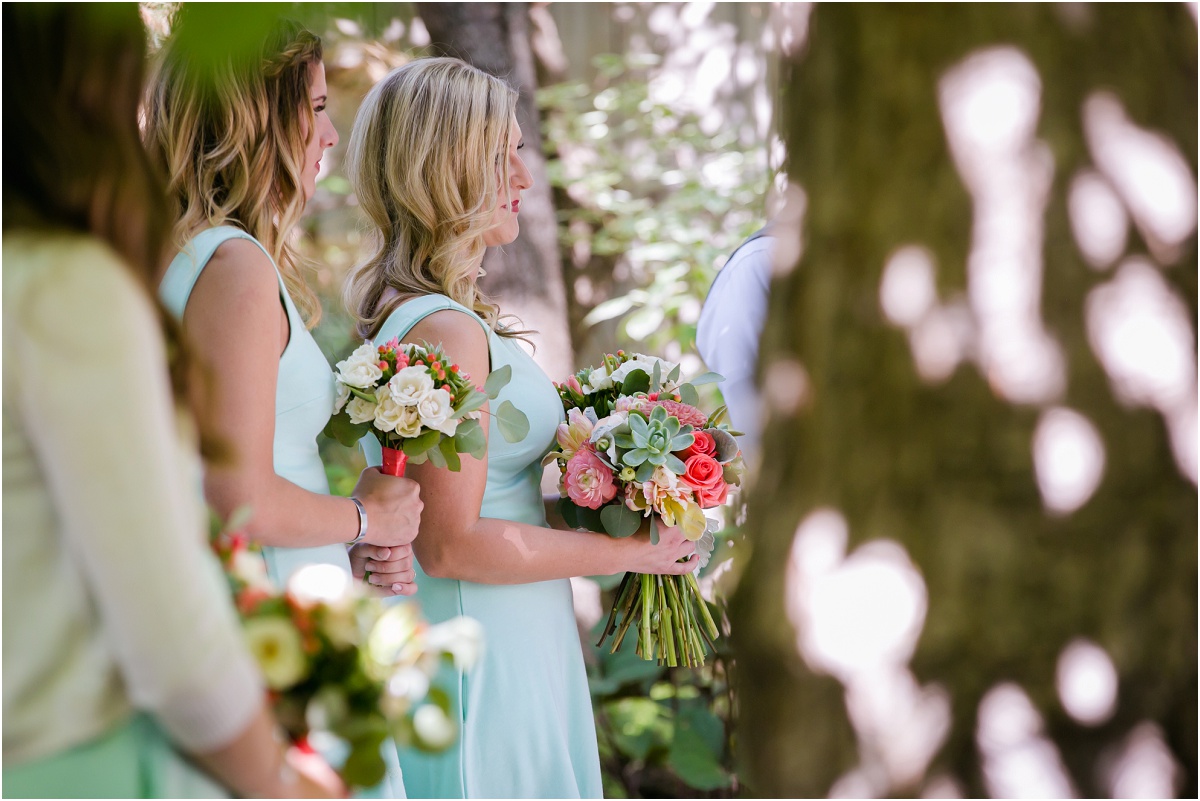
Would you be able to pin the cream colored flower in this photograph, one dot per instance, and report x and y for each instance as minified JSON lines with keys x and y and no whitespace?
{"x":391,"y":416}
{"x":321,"y":584}
{"x":343,"y":395}
{"x":251,"y":569}
{"x":435,"y":411}
{"x":434,"y":727}
{"x":361,"y":368}
{"x":461,"y":637}
{"x":574,"y":433}
{"x":597,"y":380}
{"x":360,"y":410}
{"x":409,"y":386}
{"x":666,"y":494}
{"x":278,"y":649}
{"x":645,"y":363}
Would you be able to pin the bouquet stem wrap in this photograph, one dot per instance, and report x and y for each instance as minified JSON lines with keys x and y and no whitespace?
{"x":394,"y":461}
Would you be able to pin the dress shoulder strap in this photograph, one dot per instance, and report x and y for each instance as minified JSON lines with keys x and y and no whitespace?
{"x":184,"y":270}
{"x":406,"y":315}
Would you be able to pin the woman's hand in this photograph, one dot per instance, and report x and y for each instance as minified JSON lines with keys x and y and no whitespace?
{"x":393,"y":507}
{"x":664,"y":557}
{"x":311,"y":777}
{"x":391,"y":569}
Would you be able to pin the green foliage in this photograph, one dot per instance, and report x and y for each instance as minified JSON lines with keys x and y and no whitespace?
{"x":663,"y":732}
{"x":649,"y":203}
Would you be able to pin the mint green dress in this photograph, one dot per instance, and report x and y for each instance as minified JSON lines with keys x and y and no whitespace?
{"x":525,"y":711}
{"x":304,"y":398}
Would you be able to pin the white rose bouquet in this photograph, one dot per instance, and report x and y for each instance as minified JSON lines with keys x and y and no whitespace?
{"x":340,"y":666}
{"x":418,"y":405}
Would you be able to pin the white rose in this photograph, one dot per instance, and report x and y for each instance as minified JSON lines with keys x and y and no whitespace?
{"x":598,"y":379}
{"x":361,"y":369}
{"x":434,"y":727}
{"x":251,"y":569}
{"x":436,"y":409}
{"x":278,"y":649}
{"x":391,"y":416}
{"x":343,"y":395}
{"x":360,"y":410}
{"x":321,"y":584}
{"x":461,"y":637}
{"x":409,"y":386}
{"x":646,"y":363}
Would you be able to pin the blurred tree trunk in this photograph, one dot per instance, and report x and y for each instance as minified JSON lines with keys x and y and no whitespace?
{"x":946,"y":470}
{"x":525,"y":277}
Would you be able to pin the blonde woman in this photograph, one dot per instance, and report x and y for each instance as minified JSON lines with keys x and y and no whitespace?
{"x":434,"y":158}
{"x":241,"y":136}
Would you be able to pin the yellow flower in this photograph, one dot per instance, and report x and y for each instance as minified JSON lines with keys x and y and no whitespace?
{"x":278,"y":649}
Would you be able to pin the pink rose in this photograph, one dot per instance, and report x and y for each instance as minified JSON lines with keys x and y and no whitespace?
{"x":706,"y":477}
{"x":588,"y":480}
{"x":704,"y":444}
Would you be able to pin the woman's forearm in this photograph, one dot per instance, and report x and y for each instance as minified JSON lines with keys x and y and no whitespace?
{"x":494,"y":551}
{"x":282,"y":513}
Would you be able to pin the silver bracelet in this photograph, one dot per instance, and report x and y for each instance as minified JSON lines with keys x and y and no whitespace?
{"x":362,"y":523}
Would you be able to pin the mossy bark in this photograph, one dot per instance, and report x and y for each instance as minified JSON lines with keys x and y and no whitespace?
{"x":946,"y":469}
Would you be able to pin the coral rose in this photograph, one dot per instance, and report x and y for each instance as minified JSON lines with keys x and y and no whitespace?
{"x":704,"y":444}
{"x":588,"y":480}
{"x":706,"y":476}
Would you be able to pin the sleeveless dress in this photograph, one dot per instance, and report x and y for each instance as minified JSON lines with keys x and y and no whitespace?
{"x":304,"y":400}
{"x":524,"y":710}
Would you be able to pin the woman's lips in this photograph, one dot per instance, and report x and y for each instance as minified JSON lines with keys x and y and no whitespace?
{"x":515,"y":206}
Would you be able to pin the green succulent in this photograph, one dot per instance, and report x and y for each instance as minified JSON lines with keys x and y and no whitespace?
{"x":651,"y":441}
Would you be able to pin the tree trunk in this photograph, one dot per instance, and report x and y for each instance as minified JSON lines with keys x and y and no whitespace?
{"x":944,"y":467}
{"x":525,"y":277}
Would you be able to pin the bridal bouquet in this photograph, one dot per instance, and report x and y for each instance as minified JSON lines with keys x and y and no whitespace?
{"x":343,"y":672}
{"x":417,"y":404}
{"x":635,"y":445}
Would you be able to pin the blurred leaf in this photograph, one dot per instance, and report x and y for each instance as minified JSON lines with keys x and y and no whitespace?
{"x":693,"y":762}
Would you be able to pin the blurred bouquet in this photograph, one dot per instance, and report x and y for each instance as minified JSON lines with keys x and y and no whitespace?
{"x":339,"y":665}
{"x":417,"y":404}
{"x":634,"y":446}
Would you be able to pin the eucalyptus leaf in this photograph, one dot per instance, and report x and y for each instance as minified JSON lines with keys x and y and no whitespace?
{"x":619,"y":520}
{"x":497,"y":380}
{"x":636,"y":381}
{"x":340,"y":429}
{"x":436,"y":458}
{"x":419,"y":445}
{"x":689,"y":395}
{"x":673,"y":376}
{"x":472,"y":402}
{"x":514,"y":425}
{"x":707,"y":378}
{"x":653,"y":529}
{"x":446,"y":447}
{"x":656,"y":377}
{"x":469,"y":438}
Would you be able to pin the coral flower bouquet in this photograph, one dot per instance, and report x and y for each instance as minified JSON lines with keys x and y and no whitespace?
{"x":635,"y":445}
{"x":344,"y":672}
{"x":417,"y":404}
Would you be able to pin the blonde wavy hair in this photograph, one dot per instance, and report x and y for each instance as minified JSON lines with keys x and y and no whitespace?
{"x":226,"y":127}
{"x":427,"y":158}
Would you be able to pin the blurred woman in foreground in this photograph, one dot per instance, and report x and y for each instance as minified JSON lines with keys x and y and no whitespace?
{"x":122,"y":653}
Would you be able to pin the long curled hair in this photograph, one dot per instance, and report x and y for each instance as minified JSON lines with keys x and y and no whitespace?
{"x":73,"y":156}
{"x":427,"y":159}
{"x":225,"y":123}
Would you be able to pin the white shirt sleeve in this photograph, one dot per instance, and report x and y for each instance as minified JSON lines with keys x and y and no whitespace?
{"x":95,"y":403}
{"x":728,"y":334}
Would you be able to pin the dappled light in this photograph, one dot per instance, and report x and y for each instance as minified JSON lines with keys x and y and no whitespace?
{"x":1141,"y":332}
{"x":1148,"y":171}
{"x":1142,"y":766}
{"x":1018,"y":760}
{"x":858,"y":618}
{"x":1098,"y":219}
{"x":1087,"y":682}
{"x":908,"y":290}
{"x":1068,"y":458}
{"x":990,"y":104}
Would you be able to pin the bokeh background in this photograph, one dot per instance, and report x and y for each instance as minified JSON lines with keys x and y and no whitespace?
{"x":967,"y":563}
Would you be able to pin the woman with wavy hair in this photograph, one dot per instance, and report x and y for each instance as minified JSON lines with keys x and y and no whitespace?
{"x":241,"y":133}
{"x":434,"y":161}
{"x":122,"y":652}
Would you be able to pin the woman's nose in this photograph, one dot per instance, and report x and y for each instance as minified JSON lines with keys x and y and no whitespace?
{"x":521,"y":177}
